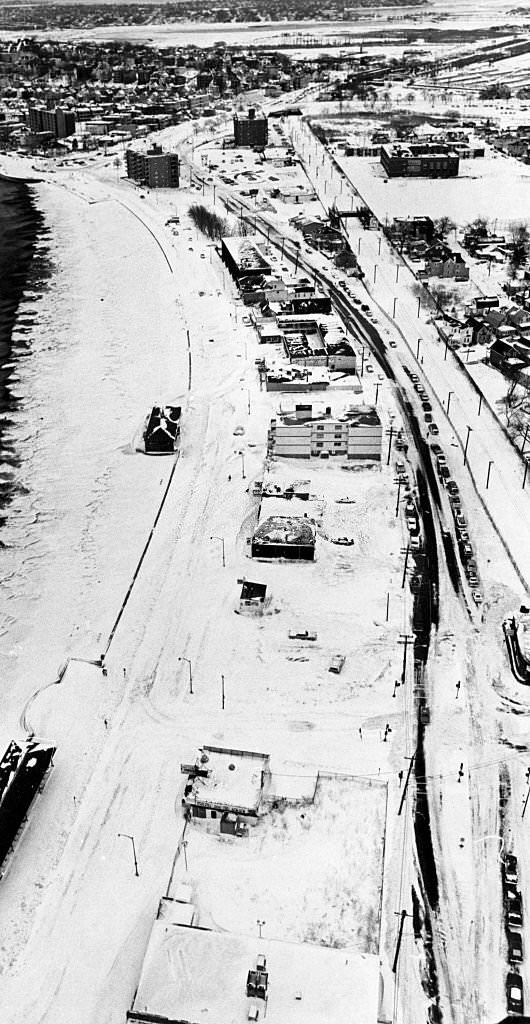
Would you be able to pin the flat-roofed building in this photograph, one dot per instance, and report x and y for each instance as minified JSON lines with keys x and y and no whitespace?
{"x":423,"y":160}
{"x":304,"y":431}
{"x":155,"y":169}
{"x":251,"y":129}
{"x":194,"y":974}
{"x":243,"y":257}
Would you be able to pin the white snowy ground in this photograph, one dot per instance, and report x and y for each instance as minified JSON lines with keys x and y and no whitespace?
{"x":75,"y":919}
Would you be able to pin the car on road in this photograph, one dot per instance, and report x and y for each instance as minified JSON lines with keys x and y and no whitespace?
{"x":510,"y":872}
{"x":392,"y":343}
{"x":514,"y":993}
{"x":369,"y":368}
{"x":515,"y":947}
{"x":514,"y":909}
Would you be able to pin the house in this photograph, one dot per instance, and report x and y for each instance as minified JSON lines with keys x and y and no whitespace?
{"x":252,"y":598}
{"x":440,"y":261}
{"x":162,"y":431}
{"x":224,"y":782}
{"x":405,"y":230}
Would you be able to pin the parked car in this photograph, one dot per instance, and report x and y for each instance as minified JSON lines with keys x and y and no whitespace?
{"x":246,"y":320}
{"x":452,"y":487}
{"x":460,"y":521}
{"x":414,"y":377}
{"x":369,"y":368}
{"x":393,"y":344}
{"x":443,"y":471}
{"x":515,"y":947}
{"x":426,"y":405}
{"x":514,"y":993}
{"x":436,"y":449}
{"x":433,"y":429}
{"x":428,"y":417}
{"x":466,"y":551}
{"x":477,"y":596}
{"x":510,"y":872}
{"x":514,"y":909}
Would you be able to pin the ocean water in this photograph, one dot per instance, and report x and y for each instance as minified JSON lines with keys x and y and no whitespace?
{"x":24,"y":269}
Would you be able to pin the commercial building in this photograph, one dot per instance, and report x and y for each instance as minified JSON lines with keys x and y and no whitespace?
{"x":423,"y":160}
{"x":305,"y":431}
{"x":195,"y":974}
{"x":251,"y":129}
{"x":154,"y":169}
{"x":285,"y":536}
{"x":225,"y":782}
{"x":243,"y":257}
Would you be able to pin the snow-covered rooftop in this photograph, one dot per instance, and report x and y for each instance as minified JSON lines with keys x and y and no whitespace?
{"x":197,"y":975}
{"x":234,"y":779}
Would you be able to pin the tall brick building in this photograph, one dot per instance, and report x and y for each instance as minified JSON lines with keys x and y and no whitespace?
{"x":251,"y":129}
{"x":154,"y":169}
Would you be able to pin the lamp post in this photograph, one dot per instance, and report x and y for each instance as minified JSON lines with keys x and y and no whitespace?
{"x":260,"y":924}
{"x":418,"y":348}
{"x":190,"y":671}
{"x":223,"y":546}
{"x":375,"y":272}
{"x":377,"y":386}
{"x":490,"y":464}
{"x":398,"y":268}
{"x":125,"y":835}
{"x":525,"y":473}
{"x":469,"y":429}
{"x":242,"y":454}
{"x":394,"y":308}
{"x":448,"y":401}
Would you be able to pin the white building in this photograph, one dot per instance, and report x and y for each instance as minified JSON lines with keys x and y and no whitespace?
{"x":304,"y":431}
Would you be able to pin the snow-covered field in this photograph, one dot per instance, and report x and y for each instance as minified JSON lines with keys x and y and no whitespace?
{"x":496,"y":187}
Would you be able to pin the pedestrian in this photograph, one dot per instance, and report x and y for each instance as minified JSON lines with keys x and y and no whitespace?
{"x":457,"y":689}
{"x":360,"y":732}
{"x":105,"y":723}
{"x":400,"y":777}
{"x":229,"y":477}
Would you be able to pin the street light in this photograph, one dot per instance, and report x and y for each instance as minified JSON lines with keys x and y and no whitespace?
{"x":469,"y":429}
{"x":490,"y":464}
{"x":260,"y":924}
{"x":125,"y":835}
{"x":394,"y":308}
{"x":242,"y":454}
{"x":223,"y":545}
{"x":418,"y":349}
{"x":190,"y":671}
{"x":449,"y":401}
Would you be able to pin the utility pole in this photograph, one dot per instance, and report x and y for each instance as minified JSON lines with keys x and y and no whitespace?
{"x":390,"y":436}
{"x":405,"y":567}
{"x":404,"y":793}
{"x":398,"y":943}
{"x":399,"y":483}
{"x":223,"y":692}
{"x":405,"y":639}
{"x":525,"y":803}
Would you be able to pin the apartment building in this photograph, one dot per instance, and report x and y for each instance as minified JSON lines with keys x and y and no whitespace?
{"x":154,"y":169}
{"x":251,"y":129}
{"x":305,"y":431}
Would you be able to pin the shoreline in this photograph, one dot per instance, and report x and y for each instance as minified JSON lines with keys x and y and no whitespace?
{"x":22,"y":226}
